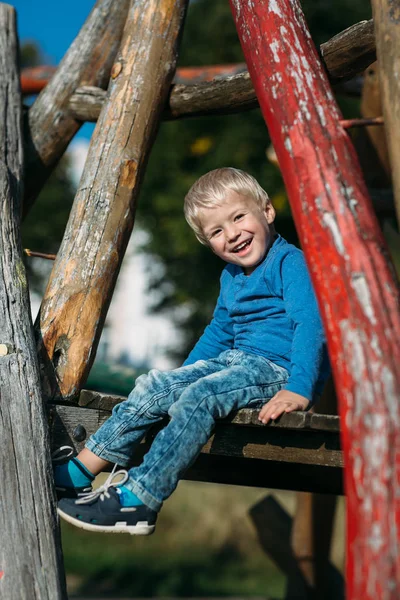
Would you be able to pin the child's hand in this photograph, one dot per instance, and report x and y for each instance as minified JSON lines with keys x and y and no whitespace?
{"x":283,"y":401}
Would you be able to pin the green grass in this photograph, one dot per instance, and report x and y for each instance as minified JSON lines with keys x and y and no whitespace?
{"x":189,"y":573}
{"x":204,"y":545}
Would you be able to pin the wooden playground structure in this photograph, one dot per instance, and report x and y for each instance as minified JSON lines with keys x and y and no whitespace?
{"x":119,"y":72}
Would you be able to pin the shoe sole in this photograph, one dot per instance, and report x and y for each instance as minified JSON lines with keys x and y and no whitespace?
{"x":140,"y":529}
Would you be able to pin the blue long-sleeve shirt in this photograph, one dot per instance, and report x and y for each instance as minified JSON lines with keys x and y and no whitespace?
{"x":273,"y":313}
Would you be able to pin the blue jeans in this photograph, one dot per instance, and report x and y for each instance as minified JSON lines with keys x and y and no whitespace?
{"x":194,"y":397}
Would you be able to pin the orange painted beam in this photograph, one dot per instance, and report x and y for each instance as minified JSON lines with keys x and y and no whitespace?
{"x":34,"y":79}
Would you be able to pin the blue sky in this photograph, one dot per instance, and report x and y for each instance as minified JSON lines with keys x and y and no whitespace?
{"x":53,"y":25}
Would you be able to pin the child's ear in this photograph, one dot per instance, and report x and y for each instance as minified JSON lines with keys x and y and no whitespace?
{"x":270,"y":213}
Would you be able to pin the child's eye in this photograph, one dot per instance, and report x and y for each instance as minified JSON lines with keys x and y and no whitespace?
{"x":214,"y":233}
{"x":239,"y":216}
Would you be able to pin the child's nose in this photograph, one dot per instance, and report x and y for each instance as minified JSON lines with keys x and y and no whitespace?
{"x":232,"y":233}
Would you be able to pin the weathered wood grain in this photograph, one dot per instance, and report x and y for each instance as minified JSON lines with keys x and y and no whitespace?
{"x":236,"y":453}
{"x":345,"y":55}
{"x":300,"y":446}
{"x":50,"y":127}
{"x":387,"y":32}
{"x":86,"y":103}
{"x":353,"y":277}
{"x":30,"y":554}
{"x":349,"y":52}
{"x":85,"y":271}
{"x":297,"y":447}
{"x":371,"y":106}
{"x":246,"y":416}
{"x":231,"y":94}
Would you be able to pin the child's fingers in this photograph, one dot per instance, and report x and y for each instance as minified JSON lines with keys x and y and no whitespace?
{"x":272,"y":411}
{"x":294,"y":406}
{"x":266,"y":411}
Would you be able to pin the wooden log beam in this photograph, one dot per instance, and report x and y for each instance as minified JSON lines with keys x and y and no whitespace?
{"x":345,"y":55}
{"x":30,"y":552}
{"x":218,"y":97}
{"x":34,"y":79}
{"x":300,"y":445}
{"x":84,"y":274}
{"x":290,"y":454}
{"x":387,"y":31}
{"x":246,"y":417}
{"x":352,"y":275}
{"x":349,"y":52}
{"x":50,"y":127}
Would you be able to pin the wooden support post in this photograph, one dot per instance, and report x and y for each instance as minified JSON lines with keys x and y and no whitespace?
{"x":311,"y":540}
{"x":276,"y":533}
{"x":387,"y":34}
{"x":352,"y":275}
{"x":50,"y":126}
{"x":371,"y":106}
{"x":30,"y":556}
{"x":83,"y":278}
{"x":312,"y":528}
{"x":273,"y":526}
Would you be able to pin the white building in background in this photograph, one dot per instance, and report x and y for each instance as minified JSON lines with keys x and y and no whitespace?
{"x":131,"y":330}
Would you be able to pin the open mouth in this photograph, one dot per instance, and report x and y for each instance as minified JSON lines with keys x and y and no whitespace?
{"x":242,"y":247}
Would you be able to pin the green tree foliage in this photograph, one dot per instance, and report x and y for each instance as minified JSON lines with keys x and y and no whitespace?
{"x":184,"y":272}
{"x":43,"y":228}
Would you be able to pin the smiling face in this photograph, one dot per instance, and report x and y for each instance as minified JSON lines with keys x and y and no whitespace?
{"x":238,"y":230}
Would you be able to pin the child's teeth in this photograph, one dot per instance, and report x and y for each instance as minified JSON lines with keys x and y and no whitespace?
{"x":241,"y":246}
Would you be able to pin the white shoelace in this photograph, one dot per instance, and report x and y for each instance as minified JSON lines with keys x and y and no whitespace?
{"x":102,"y":491}
{"x":62,"y":454}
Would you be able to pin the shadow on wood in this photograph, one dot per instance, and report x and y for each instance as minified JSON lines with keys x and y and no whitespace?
{"x":274,"y":529}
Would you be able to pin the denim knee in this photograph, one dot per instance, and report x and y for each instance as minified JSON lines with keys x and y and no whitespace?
{"x":143,"y":397}
{"x":199,"y":399}
{"x":152,"y":394}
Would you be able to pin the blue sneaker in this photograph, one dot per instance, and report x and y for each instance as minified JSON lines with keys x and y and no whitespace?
{"x":102,"y":511}
{"x":67,"y":485}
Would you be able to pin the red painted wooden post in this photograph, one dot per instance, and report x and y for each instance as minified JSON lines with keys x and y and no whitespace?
{"x":352,"y":275}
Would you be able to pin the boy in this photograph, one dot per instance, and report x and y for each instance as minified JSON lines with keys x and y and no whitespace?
{"x":265,"y":347}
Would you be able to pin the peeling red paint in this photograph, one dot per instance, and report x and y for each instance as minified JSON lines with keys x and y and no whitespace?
{"x":1,"y":574}
{"x":352,"y":275}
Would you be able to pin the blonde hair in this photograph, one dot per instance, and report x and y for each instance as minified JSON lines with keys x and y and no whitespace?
{"x":211,"y":190}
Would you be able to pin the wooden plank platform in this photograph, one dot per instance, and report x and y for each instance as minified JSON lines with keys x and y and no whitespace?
{"x":299,"y":452}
